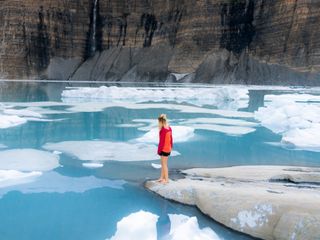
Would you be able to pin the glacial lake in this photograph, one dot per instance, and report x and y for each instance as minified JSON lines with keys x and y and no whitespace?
{"x":74,"y":156}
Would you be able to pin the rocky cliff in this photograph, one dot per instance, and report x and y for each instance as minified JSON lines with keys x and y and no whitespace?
{"x":216,"y":41}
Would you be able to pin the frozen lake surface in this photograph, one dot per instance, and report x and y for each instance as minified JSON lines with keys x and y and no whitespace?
{"x":74,"y":157}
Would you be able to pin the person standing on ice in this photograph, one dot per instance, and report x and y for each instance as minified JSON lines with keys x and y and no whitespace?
{"x":164,"y":147}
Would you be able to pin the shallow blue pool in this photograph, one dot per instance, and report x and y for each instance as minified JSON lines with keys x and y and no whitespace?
{"x":73,"y":160}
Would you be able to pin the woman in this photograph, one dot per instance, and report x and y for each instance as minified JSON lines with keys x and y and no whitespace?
{"x":164,"y":147}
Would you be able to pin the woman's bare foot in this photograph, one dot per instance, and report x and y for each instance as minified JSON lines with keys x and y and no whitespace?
{"x":160,"y":180}
{"x":163,"y":181}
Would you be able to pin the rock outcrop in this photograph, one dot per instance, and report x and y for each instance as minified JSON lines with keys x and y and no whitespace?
{"x":268,"y":202}
{"x":224,"y":41}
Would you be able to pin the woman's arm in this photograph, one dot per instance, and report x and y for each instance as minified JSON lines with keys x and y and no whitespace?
{"x":161,"y":140}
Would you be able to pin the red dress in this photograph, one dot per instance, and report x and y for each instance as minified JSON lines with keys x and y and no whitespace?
{"x":165,"y":140}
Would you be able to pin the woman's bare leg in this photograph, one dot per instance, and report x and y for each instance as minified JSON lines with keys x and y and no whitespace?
{"x":162,"y":172}
{"x":164,"y":161}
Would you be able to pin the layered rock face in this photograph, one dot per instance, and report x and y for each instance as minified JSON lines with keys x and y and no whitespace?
{"x":225,"y":41}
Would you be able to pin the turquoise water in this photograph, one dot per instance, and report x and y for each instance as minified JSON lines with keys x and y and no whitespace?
{"x":73,"y":202}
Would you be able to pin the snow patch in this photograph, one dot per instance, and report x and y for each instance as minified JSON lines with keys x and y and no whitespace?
{"x":28,"y":160}
{"x":107,"y":151}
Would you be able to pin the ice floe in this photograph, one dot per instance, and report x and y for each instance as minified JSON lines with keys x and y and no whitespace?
{"x":298,"y":123}
{"x":184,"y":227}
{"x":13,"y":177}
{"x":220,"y":121}
{"x":143,"y":225}
{"x":224,"y":97}
{"x":53,"y":182}
{"x":28,"y":160}
{"x":179,"y":134}
{"x":7,"y":121}
{"x":106,"y":150}
{"x":230,"y":130}
{"x":22,"y":113}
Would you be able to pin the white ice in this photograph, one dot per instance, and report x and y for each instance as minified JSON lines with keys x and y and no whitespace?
{"x":222,"y":121}
{"x":7,"y":121}
{"x":12,"y":177}
{"x":92,"y":165}
{"x":179,"y":134}
{"x":53,"y":182}
{"x":137,"y":226}
{"x":230,"y":130}
{"x":28,"y":160}
{"x":224,"y":97}
{"x":22,"y":113}
{"x":298,"y":123}
{"x":143,"y":225}
{"x":156,"y":166}
{"x":294,"y":97}
{"x":184,"y":227}
{"x":106,"y":150}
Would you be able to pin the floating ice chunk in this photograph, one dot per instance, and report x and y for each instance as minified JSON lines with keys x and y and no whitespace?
{"x":298,"y":123}
{"x":92,"y":165}
{"x":184,"y":227}
{"x":53,"y":182}
{"x":137,"y":226}
{"x":179,"y":134}
{"x":304,"y":139}
{"x":222,"y":121}
{"x":22,"y":113}
{"x":28,"y":160}
{"x":294,"y":97}
{"x":57,"y":152}
{"x":7,"y":121}
{"x":156,"y":166}
{"x":13,"y":177}
{"x":230,"y":130}
{"x":105,"y":150}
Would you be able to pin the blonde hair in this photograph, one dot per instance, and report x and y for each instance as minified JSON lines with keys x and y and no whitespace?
{"x":162,"y":118}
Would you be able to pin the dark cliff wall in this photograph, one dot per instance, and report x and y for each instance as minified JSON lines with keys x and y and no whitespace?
{"x":218,"y":41}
